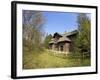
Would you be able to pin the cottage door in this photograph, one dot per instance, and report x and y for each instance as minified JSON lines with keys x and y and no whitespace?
{"x":61,"y":48}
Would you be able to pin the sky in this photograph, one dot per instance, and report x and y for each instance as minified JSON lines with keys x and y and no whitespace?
{"x":60,"y":22}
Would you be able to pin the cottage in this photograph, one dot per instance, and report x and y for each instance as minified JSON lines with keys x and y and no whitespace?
{"x":63,"y":42}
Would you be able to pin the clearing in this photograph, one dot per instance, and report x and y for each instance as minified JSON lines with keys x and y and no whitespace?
{"x":48,"y":59}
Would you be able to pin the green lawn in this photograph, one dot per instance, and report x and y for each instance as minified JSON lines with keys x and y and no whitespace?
{"x":47,"y":59}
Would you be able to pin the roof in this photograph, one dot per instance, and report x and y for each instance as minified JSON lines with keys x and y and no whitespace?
{"x":64,"y":38}
{"x":70,"y":33}
{"x":52,"y":41}
{"x":57,"y":34}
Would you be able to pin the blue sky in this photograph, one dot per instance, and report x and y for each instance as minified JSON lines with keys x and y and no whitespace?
{"x":60,"y":22}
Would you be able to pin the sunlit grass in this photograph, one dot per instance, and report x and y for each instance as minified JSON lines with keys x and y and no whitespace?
{"x":46,"y":59}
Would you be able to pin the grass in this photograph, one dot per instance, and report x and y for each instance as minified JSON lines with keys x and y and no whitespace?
{"x":46,"y":59}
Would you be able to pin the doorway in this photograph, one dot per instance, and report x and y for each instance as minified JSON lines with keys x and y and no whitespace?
{"x":61,"y":48}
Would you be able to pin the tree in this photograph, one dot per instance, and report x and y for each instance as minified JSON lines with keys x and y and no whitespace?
{"x":32,"y":29}
{"x":47,"y":40}
{"x":84,"y":35}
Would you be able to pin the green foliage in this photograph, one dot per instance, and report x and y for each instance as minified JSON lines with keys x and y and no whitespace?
{"x":48,"y":59}
{"x":33,"y":29}
{"x":73,"y":55}
{"x":84,"y":35}
{"x":47,"y":40}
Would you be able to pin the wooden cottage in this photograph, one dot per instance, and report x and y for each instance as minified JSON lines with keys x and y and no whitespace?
{"x":63,"y":42}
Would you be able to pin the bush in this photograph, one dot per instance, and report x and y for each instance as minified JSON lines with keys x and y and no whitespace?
{"x":74,"y":55}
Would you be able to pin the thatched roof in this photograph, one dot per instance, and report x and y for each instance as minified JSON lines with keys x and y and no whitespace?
{"x":70,"y":33}
{"x":52,"y":41}
{"x":57,"y":34}
{"x":64,"y":38}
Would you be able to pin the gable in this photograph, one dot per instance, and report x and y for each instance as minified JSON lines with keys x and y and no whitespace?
{"x":57,"y":35}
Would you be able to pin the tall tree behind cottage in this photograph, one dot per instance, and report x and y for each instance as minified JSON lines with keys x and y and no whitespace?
{"x":32,"y":29}
{"x":84,"y":36}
